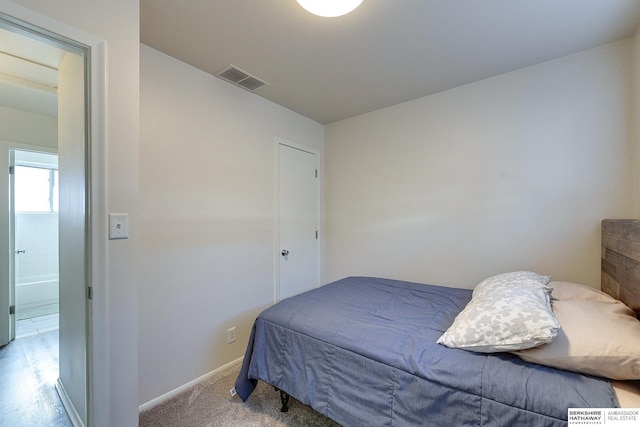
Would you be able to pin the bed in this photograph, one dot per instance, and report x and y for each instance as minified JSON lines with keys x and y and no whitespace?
{"x":365,"y":351}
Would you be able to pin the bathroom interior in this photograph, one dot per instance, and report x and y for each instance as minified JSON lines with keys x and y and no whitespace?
{"x":36,"y":242}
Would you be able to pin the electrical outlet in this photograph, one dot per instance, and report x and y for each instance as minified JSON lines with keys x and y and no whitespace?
{"x":231,"y":335}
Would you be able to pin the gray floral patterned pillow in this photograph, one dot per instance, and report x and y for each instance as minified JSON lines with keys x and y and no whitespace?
{"x":508,"y":312}
{"x":507,"y":280}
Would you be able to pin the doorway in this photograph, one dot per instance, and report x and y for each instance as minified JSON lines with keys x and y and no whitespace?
{"x":38,"y":65}
{"x":34,"y":201}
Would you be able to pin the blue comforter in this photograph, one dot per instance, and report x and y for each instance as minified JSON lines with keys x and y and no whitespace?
{"x":362,"y":351}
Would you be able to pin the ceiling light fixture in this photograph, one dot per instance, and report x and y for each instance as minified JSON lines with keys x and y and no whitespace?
{"x":329,"y":8}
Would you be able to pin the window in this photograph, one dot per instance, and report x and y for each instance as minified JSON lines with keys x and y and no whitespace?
{"x":36,"y":189}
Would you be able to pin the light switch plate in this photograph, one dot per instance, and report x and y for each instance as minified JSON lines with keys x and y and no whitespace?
{"x":118,"y":226}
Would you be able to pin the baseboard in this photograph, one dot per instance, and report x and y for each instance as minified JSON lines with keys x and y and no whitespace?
{"x":158,"y":400}
{"x":76,"y":421}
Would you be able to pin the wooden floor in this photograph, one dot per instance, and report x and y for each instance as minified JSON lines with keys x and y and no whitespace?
{"x":28,"y":374}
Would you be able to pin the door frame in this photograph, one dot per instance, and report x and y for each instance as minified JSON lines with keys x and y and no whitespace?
{"x":10,"y":148}
{"x":277,"y":244}
{"x":7,"y":298}
{"x":28,"y":22}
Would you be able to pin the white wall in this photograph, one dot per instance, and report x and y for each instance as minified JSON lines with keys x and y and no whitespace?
{"x":115,"y":304}
{"x":207,"y":205}
{"x":512,"y":172}
{"x":28,"y":128}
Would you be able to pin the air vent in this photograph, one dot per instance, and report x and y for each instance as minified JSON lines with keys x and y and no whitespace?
{"x":240,"y":78}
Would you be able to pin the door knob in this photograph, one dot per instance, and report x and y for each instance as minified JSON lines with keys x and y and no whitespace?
{"x":284,"y":252}
{"x":21,"y":251}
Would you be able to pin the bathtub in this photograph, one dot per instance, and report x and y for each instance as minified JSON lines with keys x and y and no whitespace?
{"x":37,"y":298}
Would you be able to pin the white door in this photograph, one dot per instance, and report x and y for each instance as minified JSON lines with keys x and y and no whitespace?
{"x":73,"y":247}
{"x":298,"y":220}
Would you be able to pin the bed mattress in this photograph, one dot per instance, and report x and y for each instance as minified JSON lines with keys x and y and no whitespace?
{"x":363,"y":350}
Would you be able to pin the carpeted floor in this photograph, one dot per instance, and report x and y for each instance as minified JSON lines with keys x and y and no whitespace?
{"x":210,"y":404}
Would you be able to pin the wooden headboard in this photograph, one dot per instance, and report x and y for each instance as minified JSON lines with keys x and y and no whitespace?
{"x":621,"y":260}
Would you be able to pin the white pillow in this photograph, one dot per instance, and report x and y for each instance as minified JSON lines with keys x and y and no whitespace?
{"x":575,"y":292}
{"x":599,"y":336}
{"x":507,"y":312}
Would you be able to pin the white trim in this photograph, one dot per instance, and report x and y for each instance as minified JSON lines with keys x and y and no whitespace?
{"x":11,"y":145}
{"x":76,"y":420}
{"x":176,"y":391}
{"x":277,"y":142}
{"x":98,"y":363}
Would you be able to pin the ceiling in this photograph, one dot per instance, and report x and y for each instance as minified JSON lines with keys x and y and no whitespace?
{"x":385,"y":52}
{"x":28,"y":74}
